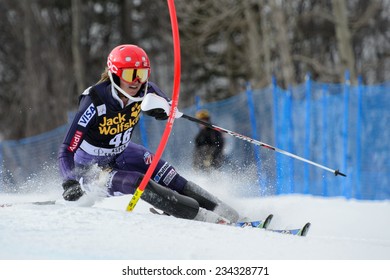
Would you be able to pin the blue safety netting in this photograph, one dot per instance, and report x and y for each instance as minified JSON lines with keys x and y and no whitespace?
{"x":338,"y":126}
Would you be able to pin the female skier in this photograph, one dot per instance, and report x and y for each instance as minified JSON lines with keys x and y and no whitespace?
{"x":100,"y":135}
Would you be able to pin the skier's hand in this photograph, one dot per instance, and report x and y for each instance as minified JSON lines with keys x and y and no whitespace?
{"x":72,"y":190}
{"x":156,"y":106}
{"x":157,"y":113}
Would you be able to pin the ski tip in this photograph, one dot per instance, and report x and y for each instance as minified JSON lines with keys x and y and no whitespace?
{"x":263,"y":224}
{"x":304,"y":230}
{"x":157,"y":212}
{"x":154,"y":211}
{"x":267,"y":221}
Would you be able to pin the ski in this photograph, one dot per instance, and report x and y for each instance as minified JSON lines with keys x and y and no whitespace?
{"x":256,"y":224}
{"x":262,"y":224}
{"x":48,"y":202}
{"x":5,"y":205}
{"x":298,"y":232}
{"x":155,"y":211}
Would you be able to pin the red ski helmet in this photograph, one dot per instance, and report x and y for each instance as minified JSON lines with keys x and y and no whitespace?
{"x":129,"y":63}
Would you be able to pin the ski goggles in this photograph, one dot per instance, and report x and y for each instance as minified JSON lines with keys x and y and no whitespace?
{"x":130,"y":75}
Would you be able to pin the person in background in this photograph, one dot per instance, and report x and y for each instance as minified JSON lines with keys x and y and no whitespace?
{"x":209,"y":143}
{"x":100,"y":135}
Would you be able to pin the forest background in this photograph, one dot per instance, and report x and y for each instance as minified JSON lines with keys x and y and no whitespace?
{"x":52,"y":50}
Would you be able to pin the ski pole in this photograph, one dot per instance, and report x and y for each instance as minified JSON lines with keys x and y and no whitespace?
{"x":261,"y":144}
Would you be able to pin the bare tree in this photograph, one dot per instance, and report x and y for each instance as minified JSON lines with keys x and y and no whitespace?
{"x":78,"y":62}
{"x":254,"y":44}
{"x":127,"y":25}
{"x":264,"y":11}
{"x":344,"y":41}
{"x":47,"y":43}
{"x":31,"y":79}
{"x":283,"y":43}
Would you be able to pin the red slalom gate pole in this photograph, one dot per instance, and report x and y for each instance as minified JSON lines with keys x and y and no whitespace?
{"x":175,"y":100}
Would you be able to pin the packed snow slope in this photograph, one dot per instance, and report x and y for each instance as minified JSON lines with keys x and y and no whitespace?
{"x":100,"y":228}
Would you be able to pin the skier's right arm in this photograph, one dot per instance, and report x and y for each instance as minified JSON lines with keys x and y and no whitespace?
{"x":75,"y":135}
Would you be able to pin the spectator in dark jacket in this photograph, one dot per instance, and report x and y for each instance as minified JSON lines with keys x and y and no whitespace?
{"x":208,"y":153}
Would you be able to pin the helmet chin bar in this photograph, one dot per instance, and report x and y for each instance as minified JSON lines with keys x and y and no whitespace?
{"x":135,"y":99}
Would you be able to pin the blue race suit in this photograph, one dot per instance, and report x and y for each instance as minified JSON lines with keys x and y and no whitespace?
{"x":100,"y":134}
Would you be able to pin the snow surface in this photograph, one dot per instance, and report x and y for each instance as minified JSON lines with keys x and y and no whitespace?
{"x":100,"y":228}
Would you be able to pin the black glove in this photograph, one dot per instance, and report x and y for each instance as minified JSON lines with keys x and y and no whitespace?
{"x":158,"y":114}
{"x":72,"y":190}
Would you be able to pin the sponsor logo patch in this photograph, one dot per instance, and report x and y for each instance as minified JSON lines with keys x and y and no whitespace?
{"x":74,"y":144}
{"x":87,"y":116}
{"x":172,"y":173}
{"x":111,"y":125}
{"x":161,"y":172}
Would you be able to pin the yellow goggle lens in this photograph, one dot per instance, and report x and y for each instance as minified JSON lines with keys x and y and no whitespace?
{"x":131,"y":75}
